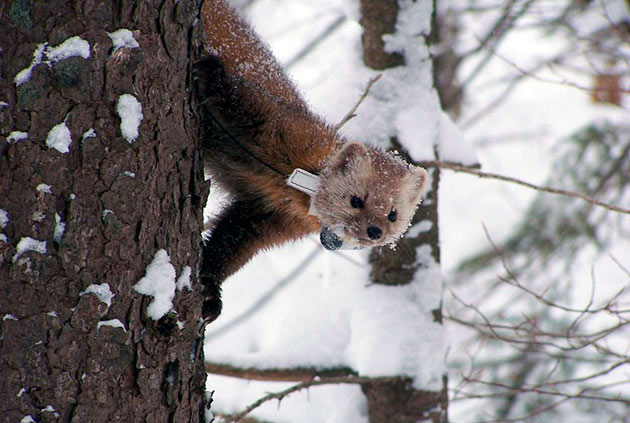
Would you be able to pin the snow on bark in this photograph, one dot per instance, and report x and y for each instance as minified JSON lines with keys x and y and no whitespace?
{"x":4,"y":218}
{"x":115,"y":323}
{"x":16,"y":136}
{"x":159,"y":282}
{"x":59,"y":138}
{"x":29,"y":244}
{"x":184,"y":279}
{"x":102,"y":292}
{"x":123,"y":38}
{"x":130,"y":111}
{"x":72,"y":47}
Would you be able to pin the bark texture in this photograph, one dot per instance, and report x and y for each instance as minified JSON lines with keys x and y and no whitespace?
{"x":120,"y":202}
{"x":398,"y":402}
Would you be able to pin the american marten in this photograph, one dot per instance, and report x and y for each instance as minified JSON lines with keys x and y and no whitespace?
{"x":257,"y":130}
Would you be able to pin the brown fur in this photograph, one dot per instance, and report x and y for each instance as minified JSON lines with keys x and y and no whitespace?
{"x":261,"y":113}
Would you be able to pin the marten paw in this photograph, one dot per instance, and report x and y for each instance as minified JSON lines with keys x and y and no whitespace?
{"x":212,"y":304}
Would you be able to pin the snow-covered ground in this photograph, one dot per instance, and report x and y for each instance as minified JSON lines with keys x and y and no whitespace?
{"x":321,"y":313}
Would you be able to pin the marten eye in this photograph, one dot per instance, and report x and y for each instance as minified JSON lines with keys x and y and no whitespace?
{"x":356,"y":202}
{"x":392,"y":216}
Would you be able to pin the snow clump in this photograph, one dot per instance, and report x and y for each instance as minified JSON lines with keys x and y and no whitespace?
{"x":59,"y":138}
{"x":159,"y":282}
{"x":130,"y":111}
{"x":123,"y":38}
{"x":16,"y":136}
{"x":115,"y":323}
{"x":45,"y":188}
{"x":60,"y":228}
{"x":4,"y":218}
{"x":73,"y":46}
{"x":29,"y":244}
{"x":102,"y":292}
{"x":184,"y":279}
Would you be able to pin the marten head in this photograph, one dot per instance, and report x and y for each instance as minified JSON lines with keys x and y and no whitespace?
{"x":367,"y":197}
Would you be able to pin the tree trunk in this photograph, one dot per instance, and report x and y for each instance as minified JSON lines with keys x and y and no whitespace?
{"x":63,"y":355}
{"x":399,"y":402}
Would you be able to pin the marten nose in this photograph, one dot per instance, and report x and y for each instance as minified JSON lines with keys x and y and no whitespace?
{"x":374,"y":232}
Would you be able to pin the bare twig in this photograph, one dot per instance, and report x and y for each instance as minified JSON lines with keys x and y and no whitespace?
{"x":549,"y":190}
{"x":354,"y":380}
{"x":352,"y":111}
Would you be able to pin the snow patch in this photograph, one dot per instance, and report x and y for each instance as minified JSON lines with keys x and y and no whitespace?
{"x":16,"y":136}
{"x":4,"y":238}
{"x":25,"y":74}
{"x":90,"y":133}
{"x":60,"y":228}
{"x":38,"y":216}
{"x":106,"y":213}
{"x":73,"y":46}
{"x":159,"y":282}
{"x":123,"y":38}
{"x":29,"y":244}
{"x":4,"y":218}
{"x":45,"y":188}
{"x":21,"y":392}
{"x":27,"y":419}
{"x":130,"y":174}
{"x":102,"y":292}
{"x":4,"y":104}
{"x":115,"y":323}
{"x":50,"y":409}
{"x":9,"y":317}
{"x":129,"y":110}
{"x":59,"y":138}
{"x":184,"y":279}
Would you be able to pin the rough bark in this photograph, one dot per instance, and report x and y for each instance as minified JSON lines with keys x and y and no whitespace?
{"x":399,"y":402}
{"x":120,"y":202}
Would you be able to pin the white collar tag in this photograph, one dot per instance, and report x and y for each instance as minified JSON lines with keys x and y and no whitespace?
{"x":304,"y":181}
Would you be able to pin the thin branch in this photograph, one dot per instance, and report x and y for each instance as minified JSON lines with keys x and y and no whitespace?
{"x":327,"y":381}
{"x":352,"y":112}
{"x":298,"y":374}
{"x":549,"y":190}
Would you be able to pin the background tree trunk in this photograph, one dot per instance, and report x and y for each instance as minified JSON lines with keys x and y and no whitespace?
{"x":399,"y":402}
{"x":121,"y":202}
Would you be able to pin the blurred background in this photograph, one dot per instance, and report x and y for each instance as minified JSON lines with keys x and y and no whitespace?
{"x":534,"y":286}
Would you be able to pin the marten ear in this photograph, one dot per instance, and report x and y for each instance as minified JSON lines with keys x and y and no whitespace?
{"x":416,"y":181}
{"x":350,"y":152}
